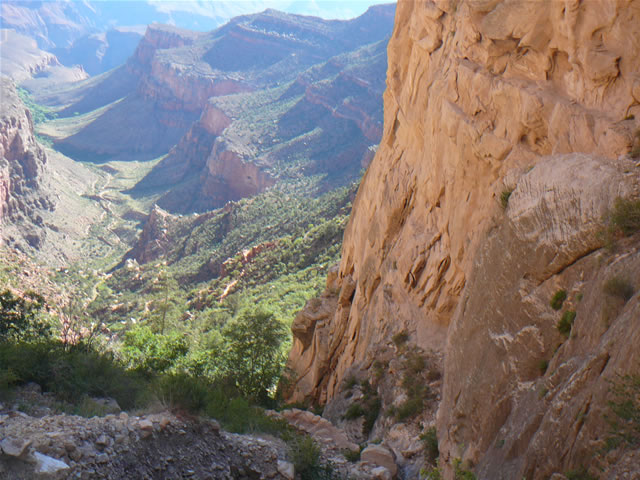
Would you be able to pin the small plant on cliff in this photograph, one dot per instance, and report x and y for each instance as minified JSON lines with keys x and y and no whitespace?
{"x":558,"y":299}
{"x":635,"y":149}
{"x":566,"y":322}
{"x":461,"y":470}
{"x":623,"y":219}
{"x":625,"y":407}
{"x":400,"y":339}
{"x":580,"y":474}
{"x":505,"y":195}
{"x":430,"y":442}
{"x":618,"y":286}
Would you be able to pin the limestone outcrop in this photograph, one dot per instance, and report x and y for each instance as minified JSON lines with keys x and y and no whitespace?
{"x":22,"y":171}
{"x":491,"y":104}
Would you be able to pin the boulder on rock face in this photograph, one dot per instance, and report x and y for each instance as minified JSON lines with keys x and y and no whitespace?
{"x":379,"y":455}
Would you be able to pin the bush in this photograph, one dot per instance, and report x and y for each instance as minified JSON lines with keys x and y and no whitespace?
{"x":354,"y":411}
{"x":352,"y":455}
{"x":625,"y":216}
{"x":625,"y":407}
{"x":400,"y":338}
{"x":430,"y":443}
{"x":71,"y":374}
{"x":151,"y":352}
{"x":558,"y":299}
{"x":580,"y":474}
{"x":504,"y":198}
{"x":566,"y":322}
{"x":305,"y":456}
{"x":20,"y":318}
{"x":461,"y":472}
{"x":620,"y":287}
{"x":182,"y":392}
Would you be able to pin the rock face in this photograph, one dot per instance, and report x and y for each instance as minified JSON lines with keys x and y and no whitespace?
{"x":22,"y":170}
{"x":484,"y":99}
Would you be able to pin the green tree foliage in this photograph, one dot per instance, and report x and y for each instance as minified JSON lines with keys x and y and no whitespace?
{"x":153,"y":352}
{"x":20,"y":317}
{"x":253,"y":357}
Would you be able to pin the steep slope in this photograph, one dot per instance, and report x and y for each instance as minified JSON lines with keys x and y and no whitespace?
{"x":22,"y":172}
{"x":268,"y":96}
{"x":483,"y":99}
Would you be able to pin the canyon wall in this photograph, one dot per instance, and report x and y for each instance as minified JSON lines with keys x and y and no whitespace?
{"x":487,"y":99}
{"x":22,"y":171}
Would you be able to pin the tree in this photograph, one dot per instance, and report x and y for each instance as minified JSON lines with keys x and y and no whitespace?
{"x":253,"y":356}
{"x":20,"y":318}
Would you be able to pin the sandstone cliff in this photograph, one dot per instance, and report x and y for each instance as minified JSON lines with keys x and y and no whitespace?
{"x":485,"y":98}
{"x":22,"y":174}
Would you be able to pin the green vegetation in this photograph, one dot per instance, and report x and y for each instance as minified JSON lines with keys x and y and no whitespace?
{"x":353,"y":455}
{"x":20,"y":318}
{"x":635,"y":149}
{"x":461,"y":470}
{"x":505,"y":195}
{"x":620,"y":287}
{"x":368,"y":407}
{"x":579,"y":474}
{"x":543,"y":365}
{"x":305,"y":456}
{"x":432,"y":474}
{"x":430,"y":441}
{"x":400,"y":338}
{"x":622,"y":221}
{"x":414,"y":386}
{"x":566,"y":322}
{"x":39,"y":113}
{"x":625,"y":409}
{"x":558,"y":299}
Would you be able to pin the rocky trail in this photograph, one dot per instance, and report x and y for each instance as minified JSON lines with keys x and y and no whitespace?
{"x":162,"y":445}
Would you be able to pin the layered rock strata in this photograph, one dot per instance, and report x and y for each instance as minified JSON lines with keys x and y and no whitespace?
{"x":22,"y":168}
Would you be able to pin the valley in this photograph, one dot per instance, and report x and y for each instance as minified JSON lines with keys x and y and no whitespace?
{"x":403,"y":245}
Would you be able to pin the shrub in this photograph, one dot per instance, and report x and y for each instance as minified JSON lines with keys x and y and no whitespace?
{"x":504,"y":197}
{"x":430,"y":442}
{"x":20,"y":318}
{"x":151,"y":352}
{"x":542,"y":366}
{"x":566,"y":322}
{"x":400,"y":338}
{"x":182,"y":392}
{"x":625,"y":216}
{"x":579,"y":474}
{"x":461,"y":472}
{"x":625,"y":407}
{"x":352,"y":455}
{"x":72,"y":374}
{"x":558,"y":299}
{"x":306,"y":458}
{"x":620,"y":287}
{"x":354,"y":411}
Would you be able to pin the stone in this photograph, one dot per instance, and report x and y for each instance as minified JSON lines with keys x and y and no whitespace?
{"x":381,"y":456}
{"x":286,"y":469}
{"x":145,"y":425}
{"x":46,"y":464}
{"x":14,"y":447}
{"x":381,"y":473}
{"x":103,"y":441}
{"x":319,"y":428}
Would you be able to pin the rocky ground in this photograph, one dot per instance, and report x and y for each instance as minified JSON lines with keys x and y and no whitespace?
{"x":44,"y":443}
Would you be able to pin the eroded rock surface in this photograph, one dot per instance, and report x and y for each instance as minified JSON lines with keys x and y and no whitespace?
{"x":485,"y":99}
